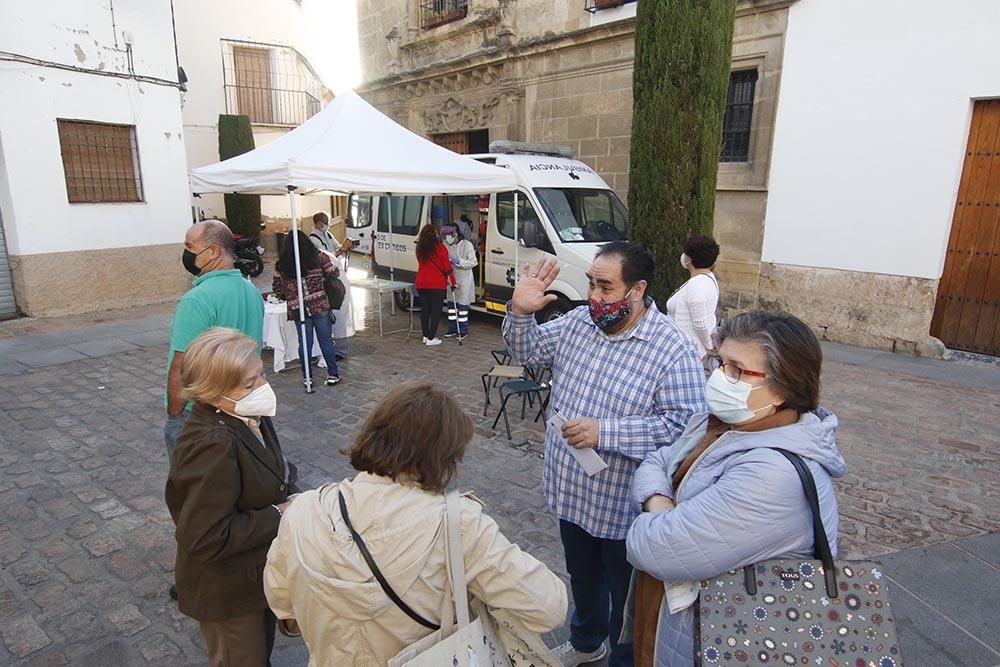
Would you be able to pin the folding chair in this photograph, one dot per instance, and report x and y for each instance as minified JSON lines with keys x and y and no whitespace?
{"x":526,"y":389}
{"x":496,"y":374}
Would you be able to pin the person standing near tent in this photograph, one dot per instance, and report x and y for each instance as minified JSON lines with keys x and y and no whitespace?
{"x":434,"y":274}
{"x":314,"y":266}
{"x":463,"y":257}
{"x":343,"y":318}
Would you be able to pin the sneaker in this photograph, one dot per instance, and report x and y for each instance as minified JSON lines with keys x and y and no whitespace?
{"x":570,"y":657}
{"x":450,"y":334}
{"x":332,"y":380}
{"x":424,"y":340}
{"x":433,"y":341}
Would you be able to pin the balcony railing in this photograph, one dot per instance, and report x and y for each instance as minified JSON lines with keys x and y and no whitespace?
{"x":272,"y":84}
{"x":438,"y":12}
{"x":597,"y":5}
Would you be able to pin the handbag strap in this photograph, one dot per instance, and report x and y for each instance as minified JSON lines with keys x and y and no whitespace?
{"x":378,"y":573}
{"x":455,"y":559}
{"x":821,"y":544}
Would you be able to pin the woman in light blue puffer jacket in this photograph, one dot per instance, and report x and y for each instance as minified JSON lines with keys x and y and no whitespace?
{"x":721,"y":497}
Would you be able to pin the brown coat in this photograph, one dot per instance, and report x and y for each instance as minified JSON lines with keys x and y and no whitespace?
{"x":220,"y":491}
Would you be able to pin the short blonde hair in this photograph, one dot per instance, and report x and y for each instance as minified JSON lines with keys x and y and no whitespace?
{"x":215,"y":362}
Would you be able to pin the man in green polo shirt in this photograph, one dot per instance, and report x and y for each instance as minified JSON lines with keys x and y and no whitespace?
{"x":219,"y":297}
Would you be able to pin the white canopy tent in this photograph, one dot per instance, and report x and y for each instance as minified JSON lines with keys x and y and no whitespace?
{"x":349,"y":147}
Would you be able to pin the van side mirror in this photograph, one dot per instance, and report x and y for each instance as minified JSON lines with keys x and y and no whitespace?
{"x":530,"y":235}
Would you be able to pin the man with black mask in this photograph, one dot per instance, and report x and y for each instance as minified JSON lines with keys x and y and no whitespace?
{"x":626,"y":380}
{"x":219,"y":297}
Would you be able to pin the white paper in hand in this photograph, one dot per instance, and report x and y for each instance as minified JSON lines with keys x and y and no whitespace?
{"x":589,"y":460}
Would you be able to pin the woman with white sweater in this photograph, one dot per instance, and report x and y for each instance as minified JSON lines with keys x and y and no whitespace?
{"x":692,"y":306}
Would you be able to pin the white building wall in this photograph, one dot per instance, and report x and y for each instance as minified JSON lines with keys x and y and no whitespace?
{"x":872,"y":125}
{"x":201,"y":27}
{"x":72,"y":257}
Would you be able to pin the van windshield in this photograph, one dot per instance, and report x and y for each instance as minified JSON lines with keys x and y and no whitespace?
{"x":581,"y":215}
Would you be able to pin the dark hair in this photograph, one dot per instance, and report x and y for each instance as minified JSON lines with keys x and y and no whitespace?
{"x":427,"y":240}
{"x":321,"y":218}
{"x":417,"y":432}
{"x":308,"y":255}
{"x":218,"y":234}
{"x":702,"y":251}
{"x":637,"y":264}
{"x":793,"y":357}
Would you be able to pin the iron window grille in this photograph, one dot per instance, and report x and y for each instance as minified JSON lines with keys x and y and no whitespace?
{"x":738,"y":117}
{"x":272,"y":84}
{"x":438,"y":12}
{"x":100,"y":162}
{"x":594,"y":6}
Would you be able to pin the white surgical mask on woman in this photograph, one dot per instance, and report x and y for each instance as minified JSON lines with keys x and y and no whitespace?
{"x":450,"y":239}
{"x":727,"y":400}
{"x":261,"y":402}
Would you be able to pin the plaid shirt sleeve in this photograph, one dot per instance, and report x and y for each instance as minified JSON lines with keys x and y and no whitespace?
{"x":528,"y":343}
{"x":679,"y":395}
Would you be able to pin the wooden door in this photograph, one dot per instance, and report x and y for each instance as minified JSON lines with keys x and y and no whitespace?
{"x":253,"y":83}
{"x":967,"y":311}
{"x":456,"y":141}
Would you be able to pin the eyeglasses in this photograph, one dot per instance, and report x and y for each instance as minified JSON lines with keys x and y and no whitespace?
{"x":731,"y":371}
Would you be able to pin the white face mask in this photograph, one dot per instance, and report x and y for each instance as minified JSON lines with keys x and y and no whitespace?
{"x":727,"y":400}
{"x":450,"y":239}
{"x":261,"y":402}
{"x":685,"y":261}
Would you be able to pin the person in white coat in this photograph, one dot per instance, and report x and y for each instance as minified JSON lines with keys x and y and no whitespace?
{"x":343,"y":324}
{"x":463,"y":257}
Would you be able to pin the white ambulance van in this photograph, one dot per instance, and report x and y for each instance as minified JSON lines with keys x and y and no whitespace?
{"x":564,"y":210}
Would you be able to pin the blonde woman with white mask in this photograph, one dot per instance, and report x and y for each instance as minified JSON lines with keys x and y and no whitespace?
{"x":692,"y":306}
{"x":228,"y":485}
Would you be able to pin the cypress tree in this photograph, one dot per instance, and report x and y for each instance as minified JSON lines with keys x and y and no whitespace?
{"x":681,"y":76}
{"x":236,"y":138}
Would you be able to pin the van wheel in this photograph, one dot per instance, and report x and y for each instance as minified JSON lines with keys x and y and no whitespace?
{"x":404,"y":300}
{"x":554,"y":310}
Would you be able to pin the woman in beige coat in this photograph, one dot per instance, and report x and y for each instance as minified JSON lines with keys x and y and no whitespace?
{"x":407,"y":452}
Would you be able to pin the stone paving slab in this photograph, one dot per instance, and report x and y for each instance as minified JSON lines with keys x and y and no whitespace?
{"x":86,"y":544}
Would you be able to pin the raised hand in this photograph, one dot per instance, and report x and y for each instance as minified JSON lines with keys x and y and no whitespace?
{"x":529,"y":294}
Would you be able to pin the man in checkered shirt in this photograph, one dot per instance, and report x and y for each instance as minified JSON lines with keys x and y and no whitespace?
{"x":626,"y":380}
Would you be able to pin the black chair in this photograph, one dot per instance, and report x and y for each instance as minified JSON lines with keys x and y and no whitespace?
{"x":528,"y":389}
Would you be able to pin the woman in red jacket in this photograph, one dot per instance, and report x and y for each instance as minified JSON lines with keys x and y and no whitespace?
{"x":434,"y":273}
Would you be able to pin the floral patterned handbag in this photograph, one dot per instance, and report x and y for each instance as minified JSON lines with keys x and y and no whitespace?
{"x":798,"y":612}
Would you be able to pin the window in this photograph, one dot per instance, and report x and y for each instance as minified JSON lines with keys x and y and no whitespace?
{"x":101,"y":162}
{"x":269,"y":83}
{"x":438,"y":12}
{"x":597,"y":5}
{"x":405,"y":214}
{"x":581,"y":215}
{"x":739,"y":113}
{"x":359,"y":211}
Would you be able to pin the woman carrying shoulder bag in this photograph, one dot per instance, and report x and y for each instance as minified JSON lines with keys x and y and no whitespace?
{"x":315,"y":267}
{"x":722,"y":496}
{"x":407,"y":452}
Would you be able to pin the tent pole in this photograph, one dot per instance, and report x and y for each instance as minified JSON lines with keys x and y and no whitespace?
{"x":392,"y":261}
{"x":517,"y":242}
{"x":298,"y":286}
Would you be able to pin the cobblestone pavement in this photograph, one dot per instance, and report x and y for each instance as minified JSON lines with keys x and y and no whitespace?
{"x":86,"y":544}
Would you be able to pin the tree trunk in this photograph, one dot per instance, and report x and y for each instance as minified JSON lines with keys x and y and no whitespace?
{"x":682,"y":62}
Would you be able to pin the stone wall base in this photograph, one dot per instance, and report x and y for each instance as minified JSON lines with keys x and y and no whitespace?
{"x":66,"y":283}
{"x":873,"y":310}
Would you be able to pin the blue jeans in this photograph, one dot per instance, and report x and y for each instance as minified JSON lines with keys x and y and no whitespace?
{"x":320,"y":326}
{"x":598,"y":576}
{"x":172,"y":430}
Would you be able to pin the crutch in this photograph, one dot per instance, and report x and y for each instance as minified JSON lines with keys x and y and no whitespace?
{"x":453,"y":314}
